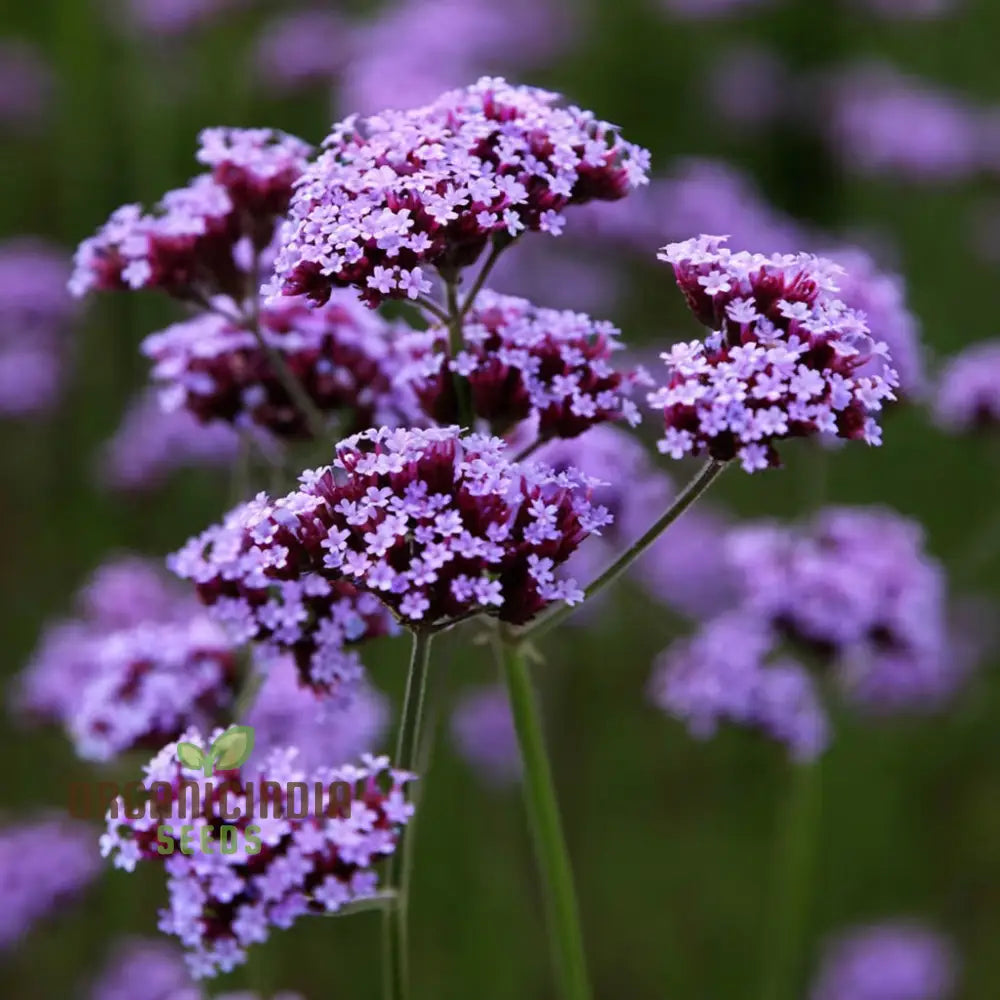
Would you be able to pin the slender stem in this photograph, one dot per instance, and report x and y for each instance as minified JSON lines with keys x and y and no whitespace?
{"x":694,"y":489}
{"x":394,"y":939}
{"x":794,"y":865}
{"x":430,"y":306}
{"x":484,"y":273}
{"x":529,"y":451}
{"x":463,"y":391}
{"x":543,"y":816}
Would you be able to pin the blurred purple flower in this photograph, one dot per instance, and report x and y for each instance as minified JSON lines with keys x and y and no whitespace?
{"x":748,"y":87}
{"x":141,"y":662}
{"x":407,"y":56}
{"x":44,"y":864}
{"x":175,"y":17}
{"x":859,"y":589}
{"x":882,"y":121}
{"x":326,"y":733}
{"x":36,"y":312}
{"x":968,"y":394}
{"x":301,"y":49}
{"x":889,"y":961}
{"x":151,"y":444}
{"x":152,"y":969}
{"x":482,"y":730}
{"x":26,"y":84}
{"x":724,"y":674}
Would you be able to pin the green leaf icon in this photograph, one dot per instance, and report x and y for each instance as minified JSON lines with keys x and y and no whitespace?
{"x":190,"y":755}
{"x":230,"y":749}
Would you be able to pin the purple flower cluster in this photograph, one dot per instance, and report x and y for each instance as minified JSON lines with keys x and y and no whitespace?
{"x":523,"y":361}
{"x":302,"y":48}
{"x":220,"y":903}
{"x":260,"y":590}
{"x":723,"y":674}
{"x":140,"y":664}
{"x":341,"y":353}
{"x":151,"y":444}
{"x":482,"y":730}
{"x":398,"y":193}
{"x":155,"y":970}
{"x":968,"y":394}
{"x":190,"y":247}
{"x":890,"y":961}
{"x":883,"y":122}
{"x":326,"y":732}
{"x":858,"y":589}
{"x":406,"y":57}
{"x":44,"y":864}
{"x":433,"y":526}
{"x":175,"y":17}
{"x":781,"y":362}
{"x":35,"y":314}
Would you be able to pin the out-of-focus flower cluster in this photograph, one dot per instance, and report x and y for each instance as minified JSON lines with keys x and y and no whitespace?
{"x":482,"y":730}
{"x":25,"y":85}
{"x":852,"y":592}
{"x":437,"y":527}
{"x":44,"y":865}
{"x":341,"y":353}
{"x":781,"y":362}
{"x":141,"y":663}
{"x":204,"y":239}
{"x":968,"y":397}
{"x":889,"y":961}
{"x":35,"y":315}
{"x":399,"y":193}
{"x":276,"y":867}
{"x":523,"y":361}
{"x":155,"y":970}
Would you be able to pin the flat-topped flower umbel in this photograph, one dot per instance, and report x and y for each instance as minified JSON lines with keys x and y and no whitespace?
{"x":438,"y":526}
{"x":522,"y":360}
{"x":398,"y":193}
{"x":781,"y":361}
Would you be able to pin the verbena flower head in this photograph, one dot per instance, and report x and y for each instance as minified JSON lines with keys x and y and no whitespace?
{"x":781,"y":361}
{"x":858,"y":589}
{"x":35,"y":316}
{"x":968,"y":394}
{"x":140,"y":663}
{"x":151,"y":444}
{"x":190,"y":246}
{"x":396,"y":194}
{"x":152,"y":969}
{"x":302,"y":49}
{"x":723,"y":674}
{"x":220,"y":903}
{"x":521,"y":360}
{"x":482,"y":730}
{"x":324,"y":732}
{"x":44,"y":865}
{"x":435,"y":526}
{"x":341,"y":353}
{"x":889,"y":961}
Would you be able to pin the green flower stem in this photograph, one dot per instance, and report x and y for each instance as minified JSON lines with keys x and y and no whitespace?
{"x":463,"y":391}
{"x":543,"y":816}
{"x":694,"y":489}
{"x":794,"y":866}
{"x":394,"y":939}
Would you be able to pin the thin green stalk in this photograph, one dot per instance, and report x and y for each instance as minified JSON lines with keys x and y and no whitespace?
{"x":694,"y":489}
{"x":394,"y":938}
{"x":484,"y":273}
{"x":463,"y":391}
{"x":543,"y":816}
{"x":794,"y":866}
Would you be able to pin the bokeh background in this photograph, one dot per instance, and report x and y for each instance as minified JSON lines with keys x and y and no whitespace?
{"x":866,"y":122}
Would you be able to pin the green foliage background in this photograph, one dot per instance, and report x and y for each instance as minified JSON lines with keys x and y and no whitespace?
{"x":680,"y":847}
